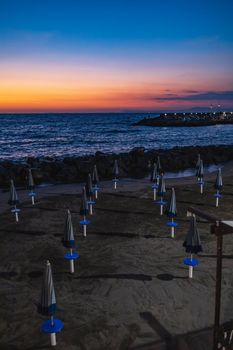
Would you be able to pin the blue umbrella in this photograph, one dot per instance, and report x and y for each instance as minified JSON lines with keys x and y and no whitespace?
{"x":154,"y":178}
{"x":90,"y":191}
{"x":172,"y":212}
{"x":95,"y":181}
{"x":161,"y":193}
{"x":14,"y":200}
{"x":218,"y":186}
{"x":200,"y":175}
{"x":31,"y":186}
{"x":47,"y":305}
{"x":84,"y":210}
{"x":159,"y":167}
{"x":115,"y":173}
{"x":192,"y":244}
{"x":68,"y":241}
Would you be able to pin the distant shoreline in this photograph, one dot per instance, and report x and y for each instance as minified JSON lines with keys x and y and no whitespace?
{"x":187,"y":119}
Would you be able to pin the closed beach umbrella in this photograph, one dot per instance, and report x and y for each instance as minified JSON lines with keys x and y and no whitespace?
{"x":95,"y":181}
{"x":84,"y":210}
{"x":218,"y":186}
{"x":115,"y":173}
{"x":31,"y":186}
{"x":89,"y":189}
{"x":47,"y":305}
{"x":154,"y":178}
{"x":200,"y":175}
{"x":161,"y":193}
{"x":14,"y":200}
{"x":192,"y":244}
{"x":68,"y":241}
{"x":159,"y":167}
{"x":172,"y":212}
{"x":198,"y":161}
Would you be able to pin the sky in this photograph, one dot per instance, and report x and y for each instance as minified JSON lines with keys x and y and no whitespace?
{"x":115,"y":56}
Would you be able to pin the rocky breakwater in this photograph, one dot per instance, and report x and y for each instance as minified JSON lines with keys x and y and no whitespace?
{"x":135,"y":164}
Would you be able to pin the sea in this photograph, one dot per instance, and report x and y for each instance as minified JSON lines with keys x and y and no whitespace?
{"x":63,"y":135}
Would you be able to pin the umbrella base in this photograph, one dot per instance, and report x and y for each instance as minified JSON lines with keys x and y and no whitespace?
{"x":191,"y":262}
{"x":73,"y":256}
{"x":32,"y":194}
{"x":48,"y":327}
{"x":15,"y":210}
{"x":84,"y":222}
{"x":172,"y":224}
{"x":217,"y":195}
{"x":161,"y":202}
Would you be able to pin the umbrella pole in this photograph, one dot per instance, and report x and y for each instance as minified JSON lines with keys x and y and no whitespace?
{"x":217,"y":198}
{"x":154,"y":194}
{"x":16,"y":214}
{"x":53,"y":335}
{"x":71,"y":262}
{"x":96,"y":194}
{"x":172,"y":229}
{"x":201,"y":188}
{"x":191,"y":268}
{"x":115,"y":183}
{"x":161,"y":207}
{"x":91,"y":211}
{"x":84,"y":228}
{"x":33,"y":200}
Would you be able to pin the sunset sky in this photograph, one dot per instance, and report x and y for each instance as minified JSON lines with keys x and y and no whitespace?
{"x":116,"y":56}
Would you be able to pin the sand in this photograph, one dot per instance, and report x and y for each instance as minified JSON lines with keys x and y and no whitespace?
{"x":130,"y":289}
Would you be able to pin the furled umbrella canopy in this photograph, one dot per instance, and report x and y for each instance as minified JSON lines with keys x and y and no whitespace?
{"x":192,"y":241}
{"x":13,"y":199}
{"x":154,"y":174}
{"x":47,"y":302}
{"x":84,"y":205}
{"x":116,"y":169}
{"x":198,"y":161}
{"x":159,"y":167}
{"x":218,"y":182}
{"x":89,"y":187}
{"x":68,"y":239}
{"x":200,"y":170}
{"x":95,"y":176}
{"x":172,"y":211}
{"x":162,"y":187}
{"x":31,"y":184}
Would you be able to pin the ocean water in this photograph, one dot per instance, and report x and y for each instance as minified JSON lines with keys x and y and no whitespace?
{"x":62,"y":135}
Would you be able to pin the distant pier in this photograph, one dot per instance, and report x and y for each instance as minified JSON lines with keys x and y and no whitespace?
{"x":188,"y":119}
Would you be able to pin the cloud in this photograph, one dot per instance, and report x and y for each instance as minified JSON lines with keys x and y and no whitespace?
{"x":203,"y":96}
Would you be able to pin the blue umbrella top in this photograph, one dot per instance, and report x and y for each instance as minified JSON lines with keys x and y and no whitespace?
{"x":84,"y":210}
{"x":162,"y":187}
{"x":31,"y":184}
{"x":192,"y":241}
{"x":95,"y":176}
{"x":200,"y":170}
{"x":154,"y":174}
{"x":68,"y":239}
{"x":13,"y":199}
{"x":47,"y":303}
{"x":218,"y":182}
{"x":116,"y":169}
{"x":172,"y":211}
{"x":89,"y":188}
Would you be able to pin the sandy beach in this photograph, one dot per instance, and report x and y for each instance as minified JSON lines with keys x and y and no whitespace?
{"x":130,"y":289}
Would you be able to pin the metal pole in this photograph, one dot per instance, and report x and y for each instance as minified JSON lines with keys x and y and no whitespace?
{"x":218,"y":291}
